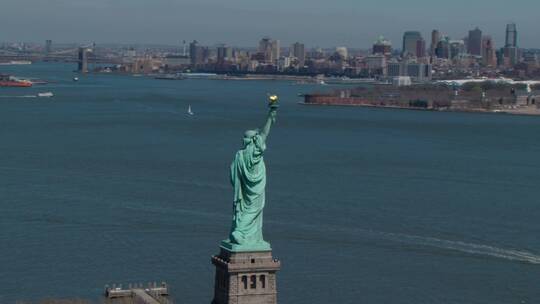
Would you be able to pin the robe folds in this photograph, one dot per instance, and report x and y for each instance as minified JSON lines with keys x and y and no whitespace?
{"x":248,"y":178}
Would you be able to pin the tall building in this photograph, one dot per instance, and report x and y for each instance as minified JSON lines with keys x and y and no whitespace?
{"x":196,"y":53}
{"x":382,"y":47}
{"x":456,"y":48}
{"x":511,"y":50}
{"x":270,"y":49}
{"x":420,"y":48}
{"x":435,"y":38}
{"x":511,"y":56}
{"x":276,"y":50}
{"x":489,"y":58}
{"x":443,"y":48}
{"x":511,"y":35}
{"x":410,"y":43}
{"x":224,"y":54}
{"x":474,"y":45}
{"x":48,"y":46}
{"x":298,"y":51}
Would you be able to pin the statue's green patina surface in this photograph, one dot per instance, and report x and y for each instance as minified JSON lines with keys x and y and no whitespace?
{"x":248,"y":178}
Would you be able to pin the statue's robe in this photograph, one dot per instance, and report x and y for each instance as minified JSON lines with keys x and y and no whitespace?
{"x":248,"y":177}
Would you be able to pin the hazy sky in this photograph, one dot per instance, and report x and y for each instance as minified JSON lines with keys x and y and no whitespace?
{"x":352,"y":23}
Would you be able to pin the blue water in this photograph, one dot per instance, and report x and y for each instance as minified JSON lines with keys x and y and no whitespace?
{"x":111,"y":182}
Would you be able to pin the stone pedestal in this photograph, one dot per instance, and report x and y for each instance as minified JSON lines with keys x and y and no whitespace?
{"x":245,"y":277}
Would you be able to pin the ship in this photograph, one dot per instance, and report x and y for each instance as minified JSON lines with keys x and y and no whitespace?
{"x":10,"y":81}
{"x":16,"y":62}
{"x":177,"y":76}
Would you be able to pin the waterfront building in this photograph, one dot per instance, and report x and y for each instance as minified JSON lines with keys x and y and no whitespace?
{"x":419,"y":71}
{"x":401,"y":81}
{"x":416,"y":71}
{"x":176,"y":60}
{"x":382,"y":47}
{"x":474,"y":43}
{"x":144,"y":65}
{"x":410,"y":43}
{"x":396,"y":69}
{"x":376,"y":64}
{"x":298,"y":51}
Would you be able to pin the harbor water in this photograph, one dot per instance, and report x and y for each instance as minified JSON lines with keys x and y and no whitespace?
{"x":111,"y":181}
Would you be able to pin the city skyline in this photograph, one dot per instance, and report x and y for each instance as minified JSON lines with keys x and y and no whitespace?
{"x":241,"y":23}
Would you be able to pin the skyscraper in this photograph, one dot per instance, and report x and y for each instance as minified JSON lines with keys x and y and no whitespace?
{"x":420,"y":48}
{"x":298,"y":51}
{"x":197,"y":53}
{"x":48,"y":46}
{"x":474,"y":46}
{"x":224,"y":54}
{"x":443,"y":48}
{"x":410,"y":43}
{"x":511,"y":35}
{"x":382,"y":46}
{"x":270,"y":49}
{"x":489,"y":57}
{"x":435,"y":38}
{"x":510,"y":50}
{"x":456,"y":48}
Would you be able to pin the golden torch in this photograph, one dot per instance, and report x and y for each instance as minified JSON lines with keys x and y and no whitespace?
{"x":273,"y":101}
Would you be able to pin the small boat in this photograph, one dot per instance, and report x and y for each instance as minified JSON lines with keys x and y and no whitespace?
{"x":189,"y":110}
{"x":75,"y":79}
{"x":45,"y":94}
{"x":177,"y":76}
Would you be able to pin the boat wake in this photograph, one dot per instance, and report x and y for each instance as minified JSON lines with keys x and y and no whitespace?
{"x":470,"y":248}
{"x":20,"y":96}
{"x":433,"y":242}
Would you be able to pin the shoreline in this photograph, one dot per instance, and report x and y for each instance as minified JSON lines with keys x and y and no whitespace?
{"x":478,"y":111}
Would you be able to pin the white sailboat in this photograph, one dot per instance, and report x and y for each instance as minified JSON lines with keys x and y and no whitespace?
{"x":189,"y":110}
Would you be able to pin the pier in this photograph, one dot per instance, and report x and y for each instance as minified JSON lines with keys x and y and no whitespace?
{"x":138,"y":294}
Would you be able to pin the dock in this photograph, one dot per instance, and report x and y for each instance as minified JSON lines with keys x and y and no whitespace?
{"x":138,"y":294}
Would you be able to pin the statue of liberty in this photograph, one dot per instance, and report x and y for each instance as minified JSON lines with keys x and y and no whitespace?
{"x":248,"y":178}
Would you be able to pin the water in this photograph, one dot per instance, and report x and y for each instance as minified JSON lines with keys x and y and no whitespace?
{"x":111,"y":181}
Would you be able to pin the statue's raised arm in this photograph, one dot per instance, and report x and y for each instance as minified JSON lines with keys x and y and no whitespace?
{"x":265,"y":131}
